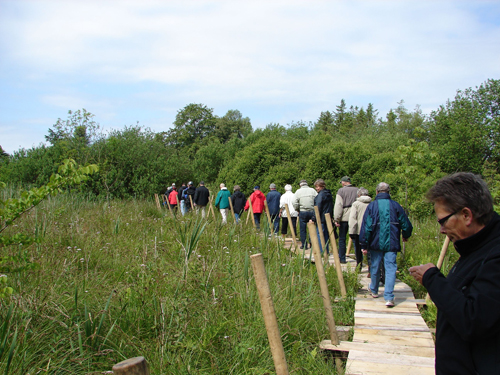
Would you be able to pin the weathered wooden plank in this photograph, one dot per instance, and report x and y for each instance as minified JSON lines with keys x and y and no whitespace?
{"x":383,"y":348}
{"x":365,"y":368}
{"x":390,"y":359}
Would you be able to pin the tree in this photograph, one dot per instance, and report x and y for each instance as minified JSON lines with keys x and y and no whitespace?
{"x":192,"y":124}
{"x":232,"y":125}
{"x":326,"y":122}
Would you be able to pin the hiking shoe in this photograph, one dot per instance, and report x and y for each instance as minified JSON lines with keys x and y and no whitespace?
{"x":389,"y":303}
{"x":374,"y":295}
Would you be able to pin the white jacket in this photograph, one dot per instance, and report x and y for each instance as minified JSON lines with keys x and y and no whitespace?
{"x":288,"y":198}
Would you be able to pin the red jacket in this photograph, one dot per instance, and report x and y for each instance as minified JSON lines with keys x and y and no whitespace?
{"x":258,"y":200}
{"x":172,"y":197}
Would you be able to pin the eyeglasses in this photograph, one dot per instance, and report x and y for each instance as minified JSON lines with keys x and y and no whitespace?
{"x":443,"y":220}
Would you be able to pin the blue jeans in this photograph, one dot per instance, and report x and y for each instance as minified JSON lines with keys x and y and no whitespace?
{"x":183,"y":207}
{"x":256,"y":217}
{"x":237,"y":217}
{"x":275,"y":219}
{"x":343,"y":229}
{"x":304,"y":217}
{"x":391,"y":267}
{"x":325,"y":235}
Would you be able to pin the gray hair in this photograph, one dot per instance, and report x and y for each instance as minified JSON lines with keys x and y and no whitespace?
{"x":383,"y":187}
{"x":461,"y":190}
{"x":222,"y":185}
{"x":288,"y":187}
{"x":362,"y":191}
{"x":303,"y":183}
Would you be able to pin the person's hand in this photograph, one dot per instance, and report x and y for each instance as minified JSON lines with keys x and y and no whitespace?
{"x":364,"y":251}
{"x":417,"y":272}
{"x":405,"y":239}
{"x":337,"y":224}
{"x":311,"y":221}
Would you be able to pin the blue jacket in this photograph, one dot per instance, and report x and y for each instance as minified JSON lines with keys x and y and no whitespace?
{"x":324,"y":201}
{"x":383,"y":223}
{"x":273,"y":202}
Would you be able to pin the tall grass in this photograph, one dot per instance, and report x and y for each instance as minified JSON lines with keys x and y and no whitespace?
{"x":118,"y":279}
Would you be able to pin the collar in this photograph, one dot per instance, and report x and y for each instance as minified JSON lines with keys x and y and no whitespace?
{"x":472,"y":243}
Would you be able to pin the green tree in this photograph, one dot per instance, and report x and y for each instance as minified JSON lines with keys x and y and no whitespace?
{"x":325,"y":122}
{"x":192,"y":124}
{"x":232,"y":125}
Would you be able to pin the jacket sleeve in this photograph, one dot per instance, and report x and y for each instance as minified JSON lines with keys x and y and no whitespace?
{"x":404,"y":222}
{"x":196,"y":195}
{"x":247,"y":204}
{"x":295,"y":202}
{"x":353,"y":219}
{"x":217,"y":199}
{"x":338,"y":209}
{"x":474,"y":309}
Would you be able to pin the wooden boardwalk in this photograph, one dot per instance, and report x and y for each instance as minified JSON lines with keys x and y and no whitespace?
{"x":386,"y":340}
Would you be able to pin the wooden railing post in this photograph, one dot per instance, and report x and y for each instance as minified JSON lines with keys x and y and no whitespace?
{"x":321,"y":236}
{"x":131,"y":366}
{"x":335,"y":250}
{"x":290,"y":224}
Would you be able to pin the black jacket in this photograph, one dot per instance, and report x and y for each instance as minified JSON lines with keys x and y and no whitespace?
{"x":238,"y":200}
{"x":189,"y":192}
{"x":468,"y":302}
{"x":324,"y":201}
{"x":201,"y":196}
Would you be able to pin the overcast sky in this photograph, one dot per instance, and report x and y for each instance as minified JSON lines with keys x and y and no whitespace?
{"x":274,"y":61}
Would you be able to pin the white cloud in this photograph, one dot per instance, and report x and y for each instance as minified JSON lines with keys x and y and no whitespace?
{"x":297,"y":57}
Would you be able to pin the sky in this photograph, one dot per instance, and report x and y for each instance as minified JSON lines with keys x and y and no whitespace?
{"x":140,"y":62}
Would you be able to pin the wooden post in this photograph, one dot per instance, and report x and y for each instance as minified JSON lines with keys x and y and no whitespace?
{"x":321,"y":236}
{"x":132,"y":366}
{"x":336,"y":258}
{"x":250,"y":212}
{"x":232,"y":209}
{"x":266,"y":303}
{"x":323,"y":285}
{"x":170,"y":208}
{"x":349,"y":245}
{"x":157,"y":202}
{"x":439,"y":264}
{"x":211,"y":207}
{"x":268,"y":217}
{"x":290,"y":224}
{"x":192,"y":205}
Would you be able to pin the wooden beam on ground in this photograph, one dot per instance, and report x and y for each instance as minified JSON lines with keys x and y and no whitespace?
{"x":266,"y":303}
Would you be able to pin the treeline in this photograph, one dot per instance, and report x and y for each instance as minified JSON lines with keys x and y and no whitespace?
{"x":407,"y":149}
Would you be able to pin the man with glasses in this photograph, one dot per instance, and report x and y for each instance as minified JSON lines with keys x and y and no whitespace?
{"x":383,"y":223}
{"x":468,"y":299}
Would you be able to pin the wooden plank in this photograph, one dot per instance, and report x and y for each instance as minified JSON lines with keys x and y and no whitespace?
{"x":390,"y":359}
{"x":362,"y":368}
{"x":383,"y":348}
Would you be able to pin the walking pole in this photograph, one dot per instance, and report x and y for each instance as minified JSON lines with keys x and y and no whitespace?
{"x":336,"y":258}
{"x":157,"y":202}
{"x":268,"y":217}
{"x":321,"y":236}
{"x":292,"y":229}
{"x":441,"y":258}
{"x":266,"y":303}
{"x":232,"y":210}
{"x":132,"y":366}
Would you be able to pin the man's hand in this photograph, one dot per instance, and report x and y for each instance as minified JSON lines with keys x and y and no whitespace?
{"x":337,"y":224}
{"x":405,"y":239}
{"x":364,"y":251}
{"x":417,"y":272}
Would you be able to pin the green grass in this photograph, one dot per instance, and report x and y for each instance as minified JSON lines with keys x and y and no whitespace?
{"x":120,"y":279}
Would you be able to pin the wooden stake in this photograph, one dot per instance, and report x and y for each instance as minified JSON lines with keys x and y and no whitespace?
{"x":439,"y":264}
{"x":170,"y":208}
{"x":323,"y":285}
{"x":321,"y":236}
{"x":211,"y":208}
{"x":290,"y":224}
{"x":157,"y":202}
{"x":232,"y":209}
{"x":132,"y":366}
{"x":266,"y":303}
{"x":335,"y":250}
{"x":268,"y":217}
{"x":250,"y":212}
{"x":192,"y":205}
{"x":349,"y":245}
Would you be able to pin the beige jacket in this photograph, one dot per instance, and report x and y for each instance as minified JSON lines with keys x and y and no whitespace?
{"x":357,"y":212}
